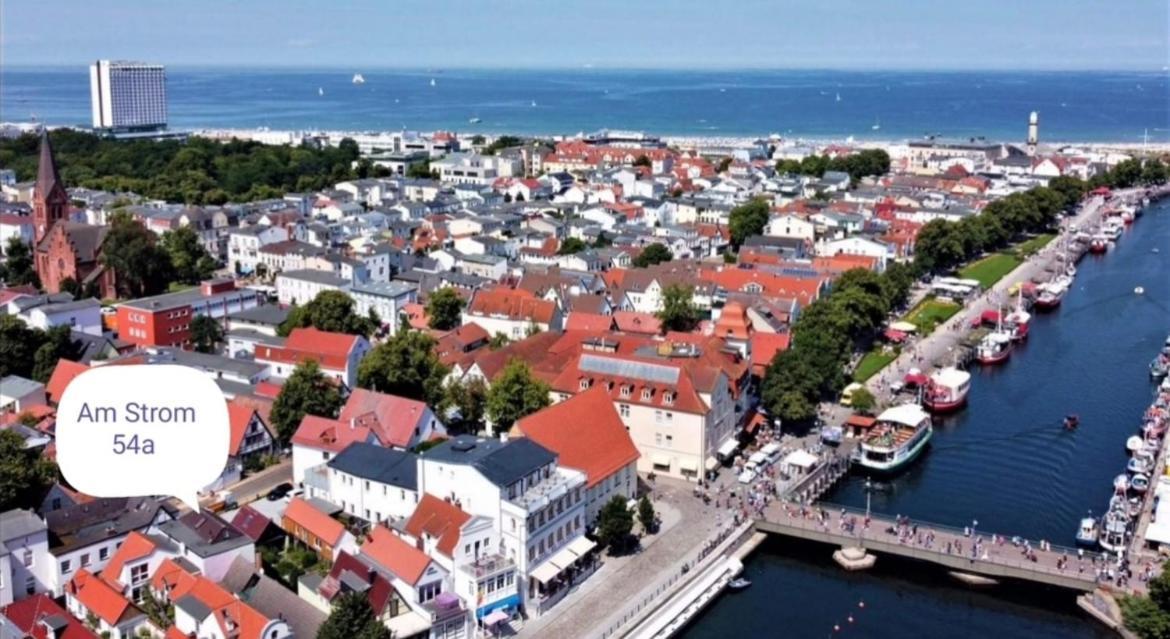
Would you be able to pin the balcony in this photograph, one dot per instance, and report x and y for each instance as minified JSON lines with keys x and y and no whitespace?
{"x":487,"y":566}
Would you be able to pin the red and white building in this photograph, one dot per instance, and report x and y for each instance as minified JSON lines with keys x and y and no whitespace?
{"x":337,"y":354}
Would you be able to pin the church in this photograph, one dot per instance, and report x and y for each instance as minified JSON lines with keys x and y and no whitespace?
{"x":64,"y":248}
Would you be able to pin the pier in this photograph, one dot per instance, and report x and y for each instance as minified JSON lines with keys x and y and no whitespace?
{"x":995,"y":559}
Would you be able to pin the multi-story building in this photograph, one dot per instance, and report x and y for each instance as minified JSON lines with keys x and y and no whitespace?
{"x":337,"y":354}
{"x":511,"y":312}
{"x":165,"y":320}
{"x":387,"y":299}
{"x":300,"y":287}
{"x":244,"y":245}
{"x":26,"y":567}
{"x":128,"y":96}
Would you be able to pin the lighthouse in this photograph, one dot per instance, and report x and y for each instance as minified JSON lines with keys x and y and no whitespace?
{"x":1033,"y":132}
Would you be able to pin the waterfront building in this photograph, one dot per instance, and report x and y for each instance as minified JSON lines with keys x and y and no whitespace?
{"x":128,"y":97}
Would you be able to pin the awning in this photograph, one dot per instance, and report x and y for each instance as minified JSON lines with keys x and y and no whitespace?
{"x":711,"y":464}
{"x":905,"y":327}
{"x":660,"y":459}
{"x":563,"y":559}
{"x":916,"y":378}
{"x":801,"y":459}
{"x":895,"y":335}
{"x":689,"y":465}
{"x":545,"y":572}
{"x":728,"y":448}
{"x":582,"y":545}
{"x":495,"y":618}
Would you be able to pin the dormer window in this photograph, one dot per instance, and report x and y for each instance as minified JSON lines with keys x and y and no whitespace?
{"x":584,"y":383}
{"x":626,"y":390}
{"x":668,"y":397}
{"x":646,"y":394}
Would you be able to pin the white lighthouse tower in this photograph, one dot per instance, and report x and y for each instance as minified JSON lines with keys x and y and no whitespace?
{"x":1033,"y":132}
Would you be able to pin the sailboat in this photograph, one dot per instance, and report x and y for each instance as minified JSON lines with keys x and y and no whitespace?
{"x":534,"y":103}
{"x":358,"y":79}
{"x":876,"y":124}
{"x":320,"y":91}
{"x":838,"y":97}
{"x":433,"y":82}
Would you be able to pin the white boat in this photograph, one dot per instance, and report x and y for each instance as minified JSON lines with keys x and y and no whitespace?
{"x":1114,"y":530}
{"x":946,"y":390}
{"x":897,"y":437}
{"x":534,"y":103}
{"x":433,"y":83}
{"x":876,"y":125}
{"x":320,"y":91}
{"x":1088,"y":532}
{"x":1138,"y":466}
{"x":838,"y":97}
{"x":474,"y":121}
{"x":358,"y":79}
{"x":1140,"y":483}
{"x":1134,"y":444}
{"x":996,"y":347}
{"x":739,"y":583}
{"x":1121,"y":483}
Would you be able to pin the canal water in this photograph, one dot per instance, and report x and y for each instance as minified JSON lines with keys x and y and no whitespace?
{"x":1005,"y":462}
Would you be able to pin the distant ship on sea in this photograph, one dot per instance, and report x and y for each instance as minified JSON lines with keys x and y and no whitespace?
{"x":358,"y":79}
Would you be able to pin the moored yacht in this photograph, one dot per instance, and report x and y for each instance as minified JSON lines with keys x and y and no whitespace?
{"x":946,"y":390}
{"x":1114,"y":530}
{"x":896,"y":438}
{"x":1088,"y":532}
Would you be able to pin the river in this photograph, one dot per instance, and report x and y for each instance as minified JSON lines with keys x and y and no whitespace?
{"x":1005,"y":462}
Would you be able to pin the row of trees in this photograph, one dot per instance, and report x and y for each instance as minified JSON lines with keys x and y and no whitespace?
{"x":197,"y":171}
{"x":857,"y":165}
{"x":32,"y":353}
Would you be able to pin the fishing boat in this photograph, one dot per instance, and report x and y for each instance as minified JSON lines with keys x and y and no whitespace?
{"x":897,"y":437}
{"x":1138,"y":466}
{"x":1114,"y":530}
{"x":739,"y":583}
{"x":1088,"y":532}
{"x":1050,"y":294}
{"x":946,"y":390}
{"x":1113,"y":230}
{"x":1098,"y":244}
{"x":1121,"y":483}
{"x":995,"y":348}
{"x":358,"y":79}
{"x":1127,"y":216}
{"x":1140,"y":483}
{"x":1071,"y":422}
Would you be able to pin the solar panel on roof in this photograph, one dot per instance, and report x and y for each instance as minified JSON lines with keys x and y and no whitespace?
{"x":630,"y":369}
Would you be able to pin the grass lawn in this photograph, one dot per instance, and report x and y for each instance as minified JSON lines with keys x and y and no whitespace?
{"x":872,"y":362}
{"x":930,"y":313}
{"x":175,"y":287}
{"x":1028,"y":247}
{"x":990,"y":269}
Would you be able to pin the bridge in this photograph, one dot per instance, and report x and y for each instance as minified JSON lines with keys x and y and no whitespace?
{"x":950,"y":548}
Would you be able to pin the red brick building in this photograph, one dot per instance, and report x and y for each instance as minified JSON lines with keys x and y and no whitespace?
{"x":64,"y":249}
{"x":165,"y":320}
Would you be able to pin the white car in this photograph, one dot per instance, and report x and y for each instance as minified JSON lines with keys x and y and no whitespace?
{"x":747,"y":476}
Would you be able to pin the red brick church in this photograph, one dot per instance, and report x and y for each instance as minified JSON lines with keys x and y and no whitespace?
{"x":64,"y":248}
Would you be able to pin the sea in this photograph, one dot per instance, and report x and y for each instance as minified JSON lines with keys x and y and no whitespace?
{"x":1005,"y":464}
{"x":867,"y":105}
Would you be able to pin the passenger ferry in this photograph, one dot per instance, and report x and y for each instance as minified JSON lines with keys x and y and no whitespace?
{"x":947,"y":390}
{"x":896,"y":439}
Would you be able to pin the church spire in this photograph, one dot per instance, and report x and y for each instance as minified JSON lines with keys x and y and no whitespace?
{"x":50,"y":201}
{"x":47,"y":176}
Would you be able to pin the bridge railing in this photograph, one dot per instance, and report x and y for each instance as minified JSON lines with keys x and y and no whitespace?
{"x":1007,"y":555}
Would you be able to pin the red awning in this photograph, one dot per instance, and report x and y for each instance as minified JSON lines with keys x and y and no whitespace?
{"x":895,"y":335}
{"x":917,"y":379}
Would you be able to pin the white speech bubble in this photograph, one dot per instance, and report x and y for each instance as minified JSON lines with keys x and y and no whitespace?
{"x":130,"y":431}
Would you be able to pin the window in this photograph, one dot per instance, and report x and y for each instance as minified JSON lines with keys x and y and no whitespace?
{"x":624,"y":410}
{"x":138,"y":574}
{"x":626,"y":389}
{"x":657,"y":439}
{"x":647,"y":394}
{"x":657,"y":417}
{"x":584,"y":384}
{"x":84,"y":560}
{"x":65,"y":566}
{"x":28,"y":558}
{"x":668,"y":397}
{"x":30,"y":586}
{"x":669,"y":441}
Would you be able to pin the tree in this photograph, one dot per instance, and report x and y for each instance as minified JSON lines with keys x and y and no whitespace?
{"x":615,"y":522}
{"x":937,"y":248}
{"x":467,"y":401}
{"x":405,"y":365}
{"x":1149,"y":616}
{"x":678,"y":312}
{"x":653,"y":254}
{"x":514,"y":394}
{"x":420,"y":170}
{"x":140,"y":265}
{"x":24,"y":474}
{"x":190,"y":260}
{"x":18,"y":268}
{"x":444,"y":309}
{"x":723,"y":165}
{"x":747,"y":220}
{"x":330,"y":311}
{"x":206,"y":333}
{"x":352,"y":617}
{"x":646,"y":515}
{"x":306,"y":392}
{"x":18,"y":346}
{"x":498,"y":341}
{"x":57,"y":344}
{"x":501,"y":143}
{"x":862,"y":401}
{"x":572,"y":245}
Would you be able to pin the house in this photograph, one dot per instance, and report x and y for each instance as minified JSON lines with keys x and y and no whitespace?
{"x":244,"y":244}
{"x":321,"y":533}
{"x":59,"y":309}
{"x":337,"y":354}
{"x":258,"y":527}
{"x":208,"y":543}
{"x":301,"y":286}
{"x":18,"y":394}
{"x":26,"y":567}
{"x":89,"y":597}
{"x":511,"y":312}
{"x":586,"y":434}
{"x":791,"y":226}
{"x":40,"y":617}
{"x":251,"y":436}
{"x":880,"y":251}
{"x":422,"y":582}
{"x":352,"y":574}
{"x":63,"y":373}
{"x":271,"y":599}
{"x":133,"y":563}
{"x":368,"y":482}
{"x":387,"y":299}
{"x":402,"y":423}
{"x":203,"y":608}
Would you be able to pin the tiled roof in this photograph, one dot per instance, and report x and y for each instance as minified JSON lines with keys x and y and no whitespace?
{"x":733,"y":322}
{"x":240,"y":412}
{"x":764,"y":349}
{"x":100,"y":598}
{"x":136,"y":546}
{"x":63,"y":374}
{"x":588,"y":321}
{"x":394,"y":417}
{"x":642,"y":323}
{"x":513,"y":304}
{"x":31,"y":615}
{"x":439,"y":519}
{"x":585,"y":432}
{"x":316,"y":522}
{"x":331,"y":434}
{"x":330,"y":350}
{"x":347,"y":566}
{"x":393,"y":553}
{"x":249,"y":521}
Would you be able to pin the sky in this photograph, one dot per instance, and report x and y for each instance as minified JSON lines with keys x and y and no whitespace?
{"x":836,"y":34}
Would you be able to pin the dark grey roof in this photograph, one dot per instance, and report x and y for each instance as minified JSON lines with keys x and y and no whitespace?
{"x":383,"y":465}
{"x":96,"y":521}
{"x":266,"y":314}
{"x":502,"y":463}
{"x":205,"y":534}
{"x":19,"y":523}
{"x":193,"y":607}
{"x":271,"y":599}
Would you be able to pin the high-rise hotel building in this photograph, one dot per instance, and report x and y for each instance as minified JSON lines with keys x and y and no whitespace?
{"x":128,"y":96}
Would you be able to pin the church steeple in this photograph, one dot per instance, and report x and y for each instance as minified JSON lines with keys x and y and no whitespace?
{"x":50,"y":201}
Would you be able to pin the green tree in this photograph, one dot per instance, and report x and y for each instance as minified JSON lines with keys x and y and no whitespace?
{"x":498,"y":341}
{"x":514,"y":394}
{"x":352,"y":617}
{"x":468,"y":401}
{"x":18,"y":346}
{"x":206,"y":333}
{"x":444,"y":309}
{"x":572,"y":245}
{"x":330,"y":311}
{"x":937,"y":247}
{"x":1071,"y":189}
{"x":862,"y":401}
{"x":57,"y":344}
{"x":678,"y":311}
{"x":405,"y":365}
{"x":747,"y":220}
{"x":306,"y":392}
{"x":190,"y":260}
{"x":1149,"y":616}
{"x":653,"y":254}
{"x":643,"y":160}
{"x":501,"y":143}
{"x":646,"y":515}
{"x":140,"y":265}
{"x":615,"y":522}
{"x":18,"y":269}
{"x":420,"y":171}
{"x":24,"y":474}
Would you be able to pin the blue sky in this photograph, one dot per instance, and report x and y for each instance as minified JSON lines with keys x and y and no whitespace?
{"x":903,"y":34}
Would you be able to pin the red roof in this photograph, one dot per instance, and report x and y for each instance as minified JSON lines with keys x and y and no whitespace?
{"x":331,"y":350}
{"x":28,"y":613}
{"x":330,"y":434}
{"x":764,"y":349}
{"x":100,"y":598}
{"x":515,"y":304}
{"x":250,"y":522}
{"x":588,"y":322}
{"x":585,"y":432}
{"x":733,"y":322}
{"x":137,"y":546}
{"x":439,"y":519}
{"x":394,"y":418}
{"x":380,"y":589}
{"x":639,"y":323}
{"x":240,"y":412}
{"x":393,"y":553}
{"x":63,"y":374}
{"x":319,"y":524}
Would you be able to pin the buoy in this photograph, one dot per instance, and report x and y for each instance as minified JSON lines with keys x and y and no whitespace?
{"x":1139,"y":290}
{"x":861,"y":604}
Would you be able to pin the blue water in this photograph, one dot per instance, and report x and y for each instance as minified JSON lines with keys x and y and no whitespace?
{"x":1073,"y":106}
{"x":1005,"y":461}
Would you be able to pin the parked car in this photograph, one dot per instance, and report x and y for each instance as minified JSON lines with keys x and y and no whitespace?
{"x":279,"y":491}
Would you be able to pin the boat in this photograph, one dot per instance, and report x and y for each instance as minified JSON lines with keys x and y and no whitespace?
{"x":358,"y":79}
{"x":876,"y":125}
{"x":1098,"y":244}
{"x":946,"y":390}
{"x":1127,"y":216}
{"x":1160,"y":366}
{"x":838,"y":97}
{"x":995,"y":348}
{"x":1134,"y":444}
{"x":1121,"y":483}
{"x":1018,"y":320}
{"x":1050,"y":294}
{"x":320,"y":91}
{"x":534,"y":103}
{"x":433,"y":83}
{"x":1114,"y":530}
{"x":739,"y":583}
{"x":1138,"y":466}
{"x":474,"y":121}
{"x":1140,"y":484}
{"x":1072,"y":421}
{"x":1088,"y":532}
{"x":1112,"y":230}
{"x":897,"y":437}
